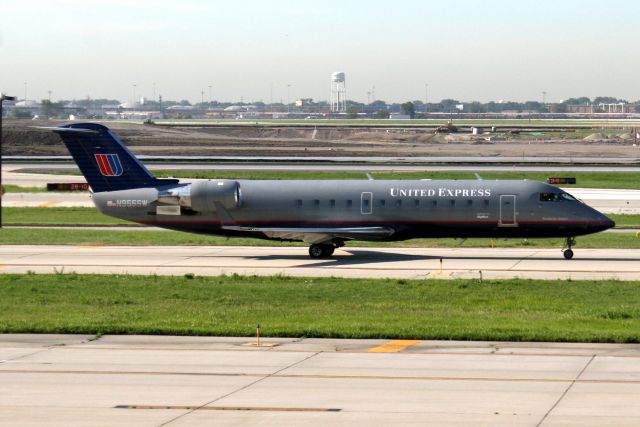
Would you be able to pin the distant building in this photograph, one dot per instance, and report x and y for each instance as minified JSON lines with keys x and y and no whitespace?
{"x":619,"y":107}
{"x":580,"y":109}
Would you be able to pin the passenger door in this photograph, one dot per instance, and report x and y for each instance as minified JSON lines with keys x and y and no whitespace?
{"x":508,"y":211}
{"x":366,"y":203}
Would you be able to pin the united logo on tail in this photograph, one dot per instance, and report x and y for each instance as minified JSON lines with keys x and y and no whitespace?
{"x":109,"y":164}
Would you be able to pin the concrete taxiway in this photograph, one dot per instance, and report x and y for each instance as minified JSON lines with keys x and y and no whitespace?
{"x":67,"y":380}
{"x":407,"y":263}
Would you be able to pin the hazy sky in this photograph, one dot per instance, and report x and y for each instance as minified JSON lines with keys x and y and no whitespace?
{"x":469,"y":50}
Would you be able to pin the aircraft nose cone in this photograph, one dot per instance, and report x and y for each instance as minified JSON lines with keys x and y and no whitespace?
{"x":605,"y":223}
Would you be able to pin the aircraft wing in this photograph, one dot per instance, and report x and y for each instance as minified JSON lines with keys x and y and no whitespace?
{"x":318,"y":234}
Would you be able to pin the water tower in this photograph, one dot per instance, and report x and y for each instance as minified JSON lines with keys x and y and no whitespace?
{"x":338,"y":93}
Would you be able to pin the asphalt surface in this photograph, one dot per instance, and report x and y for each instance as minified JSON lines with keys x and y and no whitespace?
{"x":407,"y":263}
{"x":74,"y":380}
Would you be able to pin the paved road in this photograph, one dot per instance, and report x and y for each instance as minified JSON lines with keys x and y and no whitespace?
{"x":411,"y":263}
{"x":58,"y":380}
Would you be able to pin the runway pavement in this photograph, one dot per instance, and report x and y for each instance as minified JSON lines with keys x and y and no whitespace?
{"x":71,"y":380}
{"x":407,"y":263}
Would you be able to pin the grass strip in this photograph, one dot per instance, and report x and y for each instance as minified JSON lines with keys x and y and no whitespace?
{"x":51,"y":236}
{"x":512,"y":310}
{"x":59,"y":216}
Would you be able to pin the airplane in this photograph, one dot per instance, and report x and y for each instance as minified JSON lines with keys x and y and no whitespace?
{"x":324,"y":213}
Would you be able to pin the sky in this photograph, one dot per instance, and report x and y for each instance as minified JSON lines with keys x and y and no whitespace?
{"x":275,"y":50}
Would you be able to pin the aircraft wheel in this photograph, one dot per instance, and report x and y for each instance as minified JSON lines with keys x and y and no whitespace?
{"x":316,"y":251}
{"x":568,"y":254}
{"x":328,"y":250}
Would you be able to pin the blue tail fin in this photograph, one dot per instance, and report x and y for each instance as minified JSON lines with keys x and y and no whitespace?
{"x":104,"y":160}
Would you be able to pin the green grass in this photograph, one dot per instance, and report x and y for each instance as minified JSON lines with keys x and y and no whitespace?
{"x":49,"y":236}
{"x":59,"y":216}
{"x":513,"y":310}
{"x":19,"y":189}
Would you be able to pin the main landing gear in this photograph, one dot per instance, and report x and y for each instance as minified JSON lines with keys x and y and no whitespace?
{"x":566,"y":251}
{"x":323,"y":250}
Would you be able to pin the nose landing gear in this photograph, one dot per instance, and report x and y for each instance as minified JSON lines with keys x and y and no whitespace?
{"x":566,"y":251}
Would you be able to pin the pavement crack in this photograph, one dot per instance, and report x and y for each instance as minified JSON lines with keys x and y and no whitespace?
{"x":246,"y":386}
{"x":566,"y":391}
{"x":523,"y":259}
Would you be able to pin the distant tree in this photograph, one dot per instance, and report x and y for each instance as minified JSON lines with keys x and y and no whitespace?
{"x":534,"y":106}
{"x":583,"y":100}
{"x":21,"y":113}
{"x":381,"y":114}
{"x":352,"y":111}
{"x":409,"y":109}
{"x":607,"y":100}
{"x":52,"y":109}
{"x":558,"y":108}
{"x":448,"y":105}
{"x":378,"y":105}
{"x":474,"y":107}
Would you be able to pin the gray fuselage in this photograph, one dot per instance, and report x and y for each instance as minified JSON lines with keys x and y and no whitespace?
{"x":410,"y":208}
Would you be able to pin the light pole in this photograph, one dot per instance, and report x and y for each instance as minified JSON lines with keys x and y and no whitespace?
{"x":426,"y":98}
{"x":210,"y":96}
{"x":288,"y":98}
{"x":133,"y":104}
{"x":2,"y":99}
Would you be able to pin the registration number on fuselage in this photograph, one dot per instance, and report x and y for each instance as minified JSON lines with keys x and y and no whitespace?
{"x":127,"y":203}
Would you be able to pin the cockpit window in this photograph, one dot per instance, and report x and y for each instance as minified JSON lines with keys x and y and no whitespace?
{"x":556,"y":197}
{"x":548,"y":197}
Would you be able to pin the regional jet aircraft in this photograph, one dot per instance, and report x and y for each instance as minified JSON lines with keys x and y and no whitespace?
{"x":325,"y":214}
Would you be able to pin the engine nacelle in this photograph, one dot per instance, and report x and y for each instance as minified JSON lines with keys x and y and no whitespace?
{"x":202,"y":196}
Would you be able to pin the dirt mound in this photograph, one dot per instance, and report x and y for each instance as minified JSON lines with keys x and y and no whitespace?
{"x":595,"y":137}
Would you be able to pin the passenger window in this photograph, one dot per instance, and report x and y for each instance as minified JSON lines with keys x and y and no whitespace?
{"x":416,"y":202}
{"x":486,"y":202}
{"x":453,"y":202}
{"x":316,"y":203}
{"x":332,"y":203}
{"x":398,"y":202}
{"x":349,"y":203}
{"x":383,"y":202}
{"x":469,"y":202}
{"x":298,"y":203}
{"x":434,"y":203}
